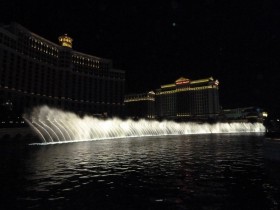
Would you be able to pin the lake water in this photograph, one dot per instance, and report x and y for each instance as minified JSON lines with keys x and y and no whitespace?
{"x":167,"y":172}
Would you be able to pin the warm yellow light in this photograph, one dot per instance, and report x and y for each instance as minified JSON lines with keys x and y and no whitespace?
{"x":168,"y":86}
{"x":65,"y":41}
{"x":264,"y":114}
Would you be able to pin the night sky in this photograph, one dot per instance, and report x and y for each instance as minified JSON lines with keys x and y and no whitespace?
{"x":156,"y":42}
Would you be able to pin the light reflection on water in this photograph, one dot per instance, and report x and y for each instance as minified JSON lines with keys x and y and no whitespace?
{"x":171,"y":172}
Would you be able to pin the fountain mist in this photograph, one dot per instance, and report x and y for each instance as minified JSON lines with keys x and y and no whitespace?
{"x":57,"y":126}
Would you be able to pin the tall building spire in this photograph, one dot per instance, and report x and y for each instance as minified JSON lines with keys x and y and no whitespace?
{"x":65,"y":41}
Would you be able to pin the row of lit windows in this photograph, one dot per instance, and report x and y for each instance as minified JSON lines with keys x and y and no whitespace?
{"x":35,"y":88}
{"x":196,"y":88}
{"x":139,"y":99}
{"x":60,"y":98}
{"x":85,"y":61}
{"x":34,"y":69}
{"x":139,"y":95}
{"x":187,"y":89}
{"x":31,"y":101}
{"x":43,"y":47}
{"x":112,"y":76}
{"x":183,"y":115}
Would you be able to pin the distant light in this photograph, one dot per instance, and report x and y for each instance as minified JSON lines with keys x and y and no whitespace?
{"x":264,"y":114}
{"x":65,"y":41}
{"x":173,"y":24}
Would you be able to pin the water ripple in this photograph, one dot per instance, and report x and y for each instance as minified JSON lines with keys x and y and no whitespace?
{"x":182,"y":172}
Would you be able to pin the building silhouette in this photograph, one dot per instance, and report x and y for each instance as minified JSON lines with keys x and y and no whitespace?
{"x":35,"y":71}
{"x":140,"y":105}
{"x":251,"y":114}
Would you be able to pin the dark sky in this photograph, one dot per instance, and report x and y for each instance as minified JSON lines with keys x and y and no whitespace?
{"x":156,"y":42}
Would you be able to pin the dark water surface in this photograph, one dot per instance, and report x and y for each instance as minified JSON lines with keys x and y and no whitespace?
{"x":174,"y":172}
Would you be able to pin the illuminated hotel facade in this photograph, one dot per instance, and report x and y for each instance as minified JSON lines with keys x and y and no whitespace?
{"x":188,"y":99}
{"x":184,"y":99}
{"x":35,"y":71}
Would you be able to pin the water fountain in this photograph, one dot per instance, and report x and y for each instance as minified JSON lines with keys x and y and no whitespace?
{"x":57,"y":126}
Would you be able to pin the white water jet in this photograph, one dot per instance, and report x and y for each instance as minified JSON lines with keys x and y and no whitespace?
{"x":70,"y":127}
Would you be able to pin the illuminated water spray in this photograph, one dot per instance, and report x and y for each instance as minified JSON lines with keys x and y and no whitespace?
{"x":56,"y":126}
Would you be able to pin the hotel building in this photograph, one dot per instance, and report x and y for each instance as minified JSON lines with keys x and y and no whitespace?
{"x":184,"y":99}
{"x":35,"y":71}
{"x":188,"y":99}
